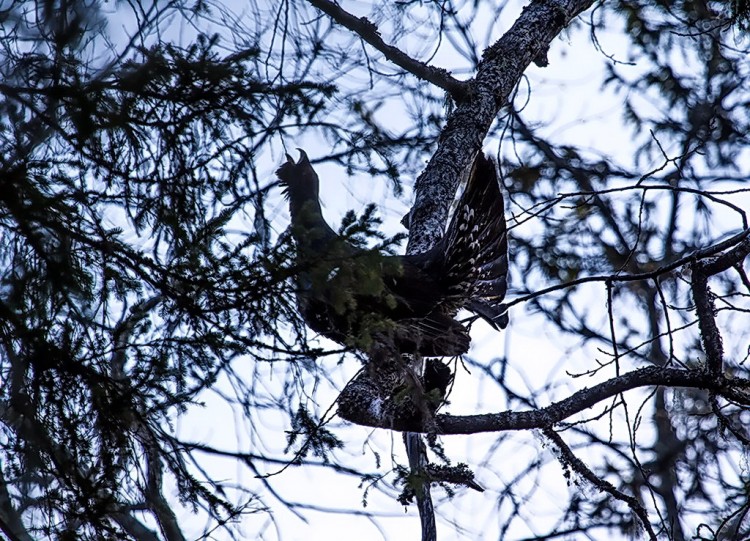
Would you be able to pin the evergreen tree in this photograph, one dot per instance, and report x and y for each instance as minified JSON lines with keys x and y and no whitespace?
{"x":146,"y":277}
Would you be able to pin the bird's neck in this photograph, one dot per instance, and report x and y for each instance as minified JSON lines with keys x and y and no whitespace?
{"x":305,"y":209}
{"x":309,"y":228}
{"x":304,"y":205}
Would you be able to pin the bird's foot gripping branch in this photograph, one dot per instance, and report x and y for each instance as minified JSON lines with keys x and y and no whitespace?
{"x":395,"y":397}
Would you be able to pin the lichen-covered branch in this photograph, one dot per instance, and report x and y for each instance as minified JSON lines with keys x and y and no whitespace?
{"x":502,"y":66}
{"x":569,"y":459}
{"x":736,"y":389}
{"x":706,"y":311}
{"x":704,"y":303}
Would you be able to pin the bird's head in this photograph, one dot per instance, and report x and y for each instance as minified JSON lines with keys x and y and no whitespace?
{"x":298,"y":179}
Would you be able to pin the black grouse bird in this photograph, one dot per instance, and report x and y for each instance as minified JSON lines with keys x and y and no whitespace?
{"x":364,"y":299}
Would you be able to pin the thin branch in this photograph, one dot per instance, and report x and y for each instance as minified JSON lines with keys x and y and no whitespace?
{"x":713,"y":267}
{"x":164,"y":513}
{"x":123,"y":332}
{"x":568,"y":458}
{"x":134,"y":528}
{"x":743,"y":276}
{"x":582,"y":178}
{"x":727,"y":423}
{"x":11,"y":523}
{"x":613,"y":334}
{"x":367,"y":30}
{"x":727,"y":260}
{"x":416,"y":451}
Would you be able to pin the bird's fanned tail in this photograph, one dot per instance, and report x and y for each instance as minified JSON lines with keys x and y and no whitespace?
{"x":476,"y":245}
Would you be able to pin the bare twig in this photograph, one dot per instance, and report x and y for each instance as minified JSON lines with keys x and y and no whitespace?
{"x":741,"y":240}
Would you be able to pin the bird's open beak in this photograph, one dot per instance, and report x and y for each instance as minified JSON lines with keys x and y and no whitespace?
{"x":303,"y":157}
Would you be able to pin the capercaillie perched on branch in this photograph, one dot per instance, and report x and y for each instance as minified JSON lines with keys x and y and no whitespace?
{"x":405,"y":303}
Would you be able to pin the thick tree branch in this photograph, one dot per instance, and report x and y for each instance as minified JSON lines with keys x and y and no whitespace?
{"x":586,"y":398}
{"x":498,"y":73}
{"x":736,"y":389}
{"x":367,"y":30}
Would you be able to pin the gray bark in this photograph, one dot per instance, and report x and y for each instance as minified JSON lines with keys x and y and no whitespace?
{"x":498,"y":73}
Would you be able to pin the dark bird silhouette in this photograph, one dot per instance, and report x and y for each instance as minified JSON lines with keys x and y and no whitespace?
{"x":362,"y":298}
